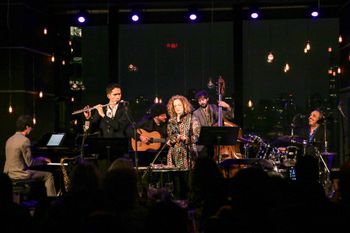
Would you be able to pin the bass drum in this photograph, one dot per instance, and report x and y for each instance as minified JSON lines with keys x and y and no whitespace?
{"x":289,"y":156}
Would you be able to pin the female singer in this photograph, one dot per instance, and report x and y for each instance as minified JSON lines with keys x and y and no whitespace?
{"x":183,"y":131}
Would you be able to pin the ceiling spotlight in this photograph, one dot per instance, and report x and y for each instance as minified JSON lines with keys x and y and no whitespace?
{"x":193,"y":17}
{"x":82,"y":17}
{"x":135,"y":16}
{"x":192,"y":14}
{"x":314,"y":13}
{"x":315,"y":10}
{"x":254,"y":12}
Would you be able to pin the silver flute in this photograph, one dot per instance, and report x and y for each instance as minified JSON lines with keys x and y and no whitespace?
{"x":86,"y":109}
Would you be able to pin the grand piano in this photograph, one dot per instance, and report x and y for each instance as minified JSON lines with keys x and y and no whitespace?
{"x":63,"y":150}
{"x":56,"y":146}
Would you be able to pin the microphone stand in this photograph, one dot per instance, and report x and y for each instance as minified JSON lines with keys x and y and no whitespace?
{"x":86,"y":127}
{"x":134,"y":127}
{"x":342,"y":128}
{"x":154,"y":160}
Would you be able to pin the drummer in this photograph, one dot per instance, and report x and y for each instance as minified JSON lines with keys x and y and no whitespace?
{"x":311,"y":138}
{"x":315,"y":131}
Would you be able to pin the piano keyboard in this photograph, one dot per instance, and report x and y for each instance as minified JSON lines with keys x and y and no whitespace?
{"x":57,"y":164}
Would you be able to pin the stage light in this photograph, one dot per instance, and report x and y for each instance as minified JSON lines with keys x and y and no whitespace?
{"x":193,"y":17}
{"x":314,"y":13}
{"x":315,"y":10}
{"x":192,"y":14}
{"x":135,"y":16}
{"x":82,"y":17}
{"x":254,"y":12}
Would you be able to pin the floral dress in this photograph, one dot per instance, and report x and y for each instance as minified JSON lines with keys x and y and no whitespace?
{"x":181,"y":154}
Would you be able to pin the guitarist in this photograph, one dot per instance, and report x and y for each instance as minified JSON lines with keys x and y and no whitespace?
{"x":154,"y":121}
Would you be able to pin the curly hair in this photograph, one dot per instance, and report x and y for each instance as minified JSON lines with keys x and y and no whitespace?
{"x":187,"y":105}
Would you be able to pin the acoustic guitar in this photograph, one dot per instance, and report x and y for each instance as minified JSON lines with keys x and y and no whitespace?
{"x":155,"y":141}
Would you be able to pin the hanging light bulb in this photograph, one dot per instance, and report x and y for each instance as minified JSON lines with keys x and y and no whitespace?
{"x":305,"y":50}
{"x":45,"y":31}
{"x":270,"y":57}
{"x":156,"y":100}
{"x":308,"y":45}
{"x":286,"y":68}
{"x":340,"y":39}
{"x":41,"y":94}
{"x":250,"y":104}
{"x":330,"y":49}
{"x":34,"y":120}
{"x":63,"y":62}
{"x":72,"y":99}
{"x":210,"y":83}
{"x":10,"y":109}
{"x":53,"y":58}
{"x":339,"y":70}
{"x":330,"y":71}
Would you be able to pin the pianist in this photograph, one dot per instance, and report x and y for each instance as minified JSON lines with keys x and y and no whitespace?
{"x":19,"y":160}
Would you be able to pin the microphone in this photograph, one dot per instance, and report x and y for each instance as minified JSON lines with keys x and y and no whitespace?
{"x":86,"y":126}
{"x":124,"y":102}
{"x":341,"y":110}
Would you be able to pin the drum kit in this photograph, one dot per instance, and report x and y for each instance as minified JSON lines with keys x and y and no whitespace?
{"x":280,"y":155}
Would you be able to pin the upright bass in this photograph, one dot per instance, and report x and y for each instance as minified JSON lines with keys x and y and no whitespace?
{"x":226,"y":152}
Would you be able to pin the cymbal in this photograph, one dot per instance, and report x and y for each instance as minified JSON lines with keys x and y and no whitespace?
{"x":244,"y":140}
{"x":328,"y":153}
{"x":291,"y":139}
{"x":229,"y":162}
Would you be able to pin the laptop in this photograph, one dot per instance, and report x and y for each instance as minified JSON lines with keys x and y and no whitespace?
{"x":56,"y":139}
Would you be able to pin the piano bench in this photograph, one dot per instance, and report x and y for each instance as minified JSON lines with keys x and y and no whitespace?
{"x":27,"y":189}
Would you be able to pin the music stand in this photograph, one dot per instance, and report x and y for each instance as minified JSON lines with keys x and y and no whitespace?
{"x":107,"y":147}
{"x":218,"y":136}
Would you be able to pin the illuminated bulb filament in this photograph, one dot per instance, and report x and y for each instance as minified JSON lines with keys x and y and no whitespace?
{"x":250,"y":103}
{"x":270,"y":57}
{"x":308,"y":46}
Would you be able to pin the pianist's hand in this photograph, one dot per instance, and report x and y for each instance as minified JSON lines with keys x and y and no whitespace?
{"x":44,"y":160}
